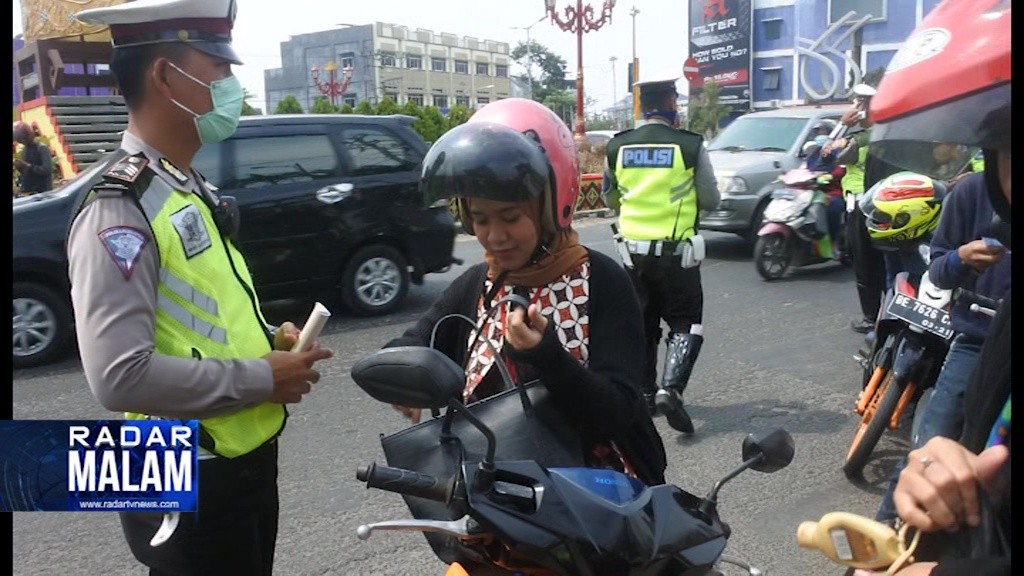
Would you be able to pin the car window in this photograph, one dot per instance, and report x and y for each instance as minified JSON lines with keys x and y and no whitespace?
{"x":377,"y":150}
{"x":274,"y":160}
{"x":759,"y":133}
{"x":283,"y":160}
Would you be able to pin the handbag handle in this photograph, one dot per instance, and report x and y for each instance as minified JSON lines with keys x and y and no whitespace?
{"x":524,"y":398}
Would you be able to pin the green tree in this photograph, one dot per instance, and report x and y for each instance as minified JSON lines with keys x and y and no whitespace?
{"x":345,"y":108}
{"x":411,"y":108}
{"x":288,"y":105}
{"x":563,"y":103}
{"x":247,"y":109}
{"x":321,"y":105}
{"x":430,"y":124}
{"x":387,"y":106}
{"x":364,"y":107}
{"x":548,"y":68}
{"x":705,"y":112}
{"x":459,"y":114}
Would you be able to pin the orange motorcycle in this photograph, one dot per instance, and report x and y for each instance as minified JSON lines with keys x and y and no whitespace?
{"x":912,"y":335}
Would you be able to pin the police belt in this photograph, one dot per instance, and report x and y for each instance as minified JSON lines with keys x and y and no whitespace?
{"x":655,"y":247}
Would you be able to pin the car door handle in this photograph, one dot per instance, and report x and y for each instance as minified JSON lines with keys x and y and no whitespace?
{"x":335,"y":193}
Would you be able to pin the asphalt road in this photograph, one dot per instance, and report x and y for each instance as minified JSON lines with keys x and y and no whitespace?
{"x":776,"y":354}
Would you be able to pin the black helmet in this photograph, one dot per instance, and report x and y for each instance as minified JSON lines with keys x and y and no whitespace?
{"x":484,"y":160}
{"x":825,"y":125}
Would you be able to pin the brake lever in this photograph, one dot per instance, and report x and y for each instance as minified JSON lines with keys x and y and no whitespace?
{"x":464,"y":527}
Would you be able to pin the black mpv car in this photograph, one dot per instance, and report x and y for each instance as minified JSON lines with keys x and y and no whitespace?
{"x":328,"y":204}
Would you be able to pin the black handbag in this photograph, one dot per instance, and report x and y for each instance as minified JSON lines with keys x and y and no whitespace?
{"x":527,"y":426}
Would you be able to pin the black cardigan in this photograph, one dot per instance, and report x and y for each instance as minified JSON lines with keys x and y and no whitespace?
{"x":604,"y":397}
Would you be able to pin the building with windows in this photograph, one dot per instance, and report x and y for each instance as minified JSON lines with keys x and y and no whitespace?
{"x":813,"y":50}
{"x":772,"y":53}
{"x":431,"y":69}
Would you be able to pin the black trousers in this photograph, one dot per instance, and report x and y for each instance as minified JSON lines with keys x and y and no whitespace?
{"x":868,"y":265}
{"x":667,"y":292}
{"x":234,"y":530}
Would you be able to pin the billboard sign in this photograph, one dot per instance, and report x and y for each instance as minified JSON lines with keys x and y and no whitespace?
{"x":720,"y":43}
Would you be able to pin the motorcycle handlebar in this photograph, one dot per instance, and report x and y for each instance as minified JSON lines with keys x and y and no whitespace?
{"x":964,"y":295}
{"x":406,"y":482}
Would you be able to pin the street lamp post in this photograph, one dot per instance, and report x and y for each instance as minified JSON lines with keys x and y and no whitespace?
{"x":580,"y":19}
{"x":529,"y":53}
{"x":636,"y":70}
{"x":332,"y":88}
{"x":615,"y":113}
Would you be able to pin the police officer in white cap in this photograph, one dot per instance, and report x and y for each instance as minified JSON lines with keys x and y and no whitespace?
{"x":659,"y":177}
{"x":168,"y":322}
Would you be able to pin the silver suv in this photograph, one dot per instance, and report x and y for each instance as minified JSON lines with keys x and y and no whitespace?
{"x":749,"y":154}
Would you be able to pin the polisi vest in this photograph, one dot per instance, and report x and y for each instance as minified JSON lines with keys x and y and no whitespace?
{"x":853,"y":180}
{"x":654,"y":169}
{"x":206,"y":304}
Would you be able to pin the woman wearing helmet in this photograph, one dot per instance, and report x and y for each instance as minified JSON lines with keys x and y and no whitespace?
{"x":900,"y":213}
{"x":513,"y":171}
{"x":950,"y":82}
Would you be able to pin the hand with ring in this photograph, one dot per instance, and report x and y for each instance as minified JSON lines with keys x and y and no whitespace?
{"x":939,"y":487}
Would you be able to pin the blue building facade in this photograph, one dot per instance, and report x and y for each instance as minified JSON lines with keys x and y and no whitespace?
{"x":815,"y":50}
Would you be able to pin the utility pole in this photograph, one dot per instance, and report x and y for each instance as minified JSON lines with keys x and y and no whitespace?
{"x":529,"y":54}
{"x":614,"y":93}
{"x":636,"y":71}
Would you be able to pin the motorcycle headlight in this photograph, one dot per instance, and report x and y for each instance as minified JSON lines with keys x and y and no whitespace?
{"x":731,"y":185}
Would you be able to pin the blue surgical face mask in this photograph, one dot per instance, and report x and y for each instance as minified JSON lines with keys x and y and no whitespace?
{"x":221,"y":122}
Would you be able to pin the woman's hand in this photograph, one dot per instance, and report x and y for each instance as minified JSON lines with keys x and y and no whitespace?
{"x":413,"y":414}
{"x":938,"y":489}
{"x":526,"y":328}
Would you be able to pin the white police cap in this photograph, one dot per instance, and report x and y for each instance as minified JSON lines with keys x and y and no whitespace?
{"x":203,"y":24}
{"x":659,"y":80}
{"x":864,"y":90}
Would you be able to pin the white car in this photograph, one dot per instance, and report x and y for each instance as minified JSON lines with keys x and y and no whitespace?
{"x":600,"y":137}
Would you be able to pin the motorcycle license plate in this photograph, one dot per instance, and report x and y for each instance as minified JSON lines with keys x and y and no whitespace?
{"x":930,"y":318}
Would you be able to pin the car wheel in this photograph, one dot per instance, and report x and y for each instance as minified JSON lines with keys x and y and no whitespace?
{"x":42,"y":325}
{"x":375,"y":280}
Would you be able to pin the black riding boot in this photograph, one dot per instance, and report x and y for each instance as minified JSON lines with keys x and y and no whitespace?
{"x":681,"y":352}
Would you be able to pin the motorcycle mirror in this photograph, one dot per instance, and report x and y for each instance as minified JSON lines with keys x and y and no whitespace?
{"x":773,"y":451}
{"x":411,"y":376}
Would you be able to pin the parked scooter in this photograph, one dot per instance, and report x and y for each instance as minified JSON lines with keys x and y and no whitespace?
{"x":517,"y":516}
{"x":794,"y":231}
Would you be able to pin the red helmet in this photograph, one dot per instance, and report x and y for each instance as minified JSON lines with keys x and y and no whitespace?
{"x":949,"y":82}
{"x":538,"y":121}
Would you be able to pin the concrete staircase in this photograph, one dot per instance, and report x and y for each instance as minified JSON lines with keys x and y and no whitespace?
{"x":87,"y":126}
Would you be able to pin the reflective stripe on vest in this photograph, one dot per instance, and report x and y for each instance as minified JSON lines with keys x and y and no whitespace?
{"x":195,"y":262}
{"x":658,"y":194}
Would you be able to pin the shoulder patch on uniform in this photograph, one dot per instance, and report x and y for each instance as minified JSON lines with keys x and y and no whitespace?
{"x":124,"y":244}
{"x":128,"y":169}
{"x":188,"y":222}
{"x":173,"y":170}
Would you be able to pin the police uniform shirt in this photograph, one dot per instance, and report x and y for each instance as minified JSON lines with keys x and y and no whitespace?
{"x":708,"y":195}
{"x":114,"y":289}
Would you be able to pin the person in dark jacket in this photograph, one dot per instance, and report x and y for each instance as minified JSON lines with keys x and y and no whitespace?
{"x":514,"y":169}
{"x":963,"y":255}
{"x":957,"y":493}
{"x":35,"y":163}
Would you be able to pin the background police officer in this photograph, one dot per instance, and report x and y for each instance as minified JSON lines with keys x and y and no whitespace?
{"x":168,"y":323}
{"x":659,"y":177}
